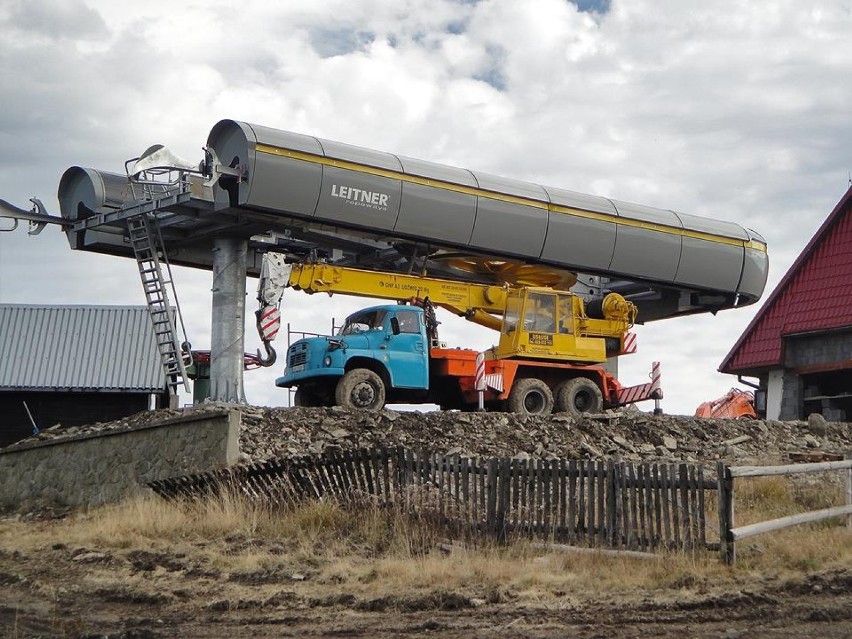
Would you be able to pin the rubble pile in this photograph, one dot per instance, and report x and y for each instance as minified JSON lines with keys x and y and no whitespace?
{"x":629,"y":435}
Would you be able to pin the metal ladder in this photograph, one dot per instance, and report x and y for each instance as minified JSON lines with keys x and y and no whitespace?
{"x":174,"y":354}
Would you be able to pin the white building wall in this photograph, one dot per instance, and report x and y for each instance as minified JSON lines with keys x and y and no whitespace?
{"x":774,"y":393}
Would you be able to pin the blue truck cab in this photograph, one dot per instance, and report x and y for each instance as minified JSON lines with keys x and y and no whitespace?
{"x":380,"y":355}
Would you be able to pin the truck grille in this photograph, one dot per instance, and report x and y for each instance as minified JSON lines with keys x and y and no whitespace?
{"x":297,"y":357}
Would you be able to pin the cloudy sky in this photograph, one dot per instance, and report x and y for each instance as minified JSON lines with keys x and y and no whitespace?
{"x":730,"y":109}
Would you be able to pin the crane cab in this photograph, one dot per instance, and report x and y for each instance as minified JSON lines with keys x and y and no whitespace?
{"x":541,"y":323}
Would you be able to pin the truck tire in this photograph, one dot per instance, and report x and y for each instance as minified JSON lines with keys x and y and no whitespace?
{"x":578,"y":396}
{"x":307,"y":397}
{"x":530,"y":396}
{"x":360,"y":388}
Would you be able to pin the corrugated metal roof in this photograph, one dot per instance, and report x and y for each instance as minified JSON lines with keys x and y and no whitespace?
{"x":78,"y":348}
{"x":812,"y":296}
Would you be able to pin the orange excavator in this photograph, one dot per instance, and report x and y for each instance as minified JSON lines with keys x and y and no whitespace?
{"x":735,"y":404}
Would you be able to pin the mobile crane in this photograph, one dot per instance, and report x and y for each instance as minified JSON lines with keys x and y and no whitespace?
{"x":549,"y":354}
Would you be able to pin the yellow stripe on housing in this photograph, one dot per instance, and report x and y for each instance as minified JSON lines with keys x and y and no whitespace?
{"x":503,"y":197}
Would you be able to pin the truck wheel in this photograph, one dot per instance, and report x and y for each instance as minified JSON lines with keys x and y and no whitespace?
{"x":530,"y":396}
{"x":360,"y":388}
{"x":578,"y":396}
{"x":306,"y":397}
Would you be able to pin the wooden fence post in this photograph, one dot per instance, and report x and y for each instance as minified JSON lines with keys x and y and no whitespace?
{"x":848,"y":455}
{"x":726,"y":513}
{"x":491,"y":497}
{"x":503,"y":502}
{"x":611,"y":525}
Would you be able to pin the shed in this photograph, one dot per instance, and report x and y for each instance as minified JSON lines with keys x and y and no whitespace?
{"x":74,"y":365}
{"x":799,"y":345}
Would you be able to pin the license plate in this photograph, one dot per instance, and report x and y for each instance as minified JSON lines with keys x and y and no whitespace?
{"x":297,"y":368}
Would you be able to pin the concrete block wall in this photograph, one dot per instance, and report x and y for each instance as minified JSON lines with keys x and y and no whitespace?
{"x":108,"y":466}
{"x":821,"y":348}
{"x":791,"y":396}
{"x":806,"y":351}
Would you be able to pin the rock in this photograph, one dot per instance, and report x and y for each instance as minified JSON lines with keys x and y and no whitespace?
{"x":594,"y":452}
{"x":669,"y":442}
{"x":811,"y":441}
{"x":297,"y":576}
{"x":817,"y":424}
{"x":621,"y":441}
{"x":90,"y":557}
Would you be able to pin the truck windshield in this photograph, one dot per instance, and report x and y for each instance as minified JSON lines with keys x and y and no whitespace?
{"x":363,"y":321}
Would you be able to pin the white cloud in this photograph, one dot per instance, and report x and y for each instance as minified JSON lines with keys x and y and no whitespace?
{"x":729,"y":109}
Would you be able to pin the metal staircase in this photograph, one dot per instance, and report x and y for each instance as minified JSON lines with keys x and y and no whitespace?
{"x":174,"y":353}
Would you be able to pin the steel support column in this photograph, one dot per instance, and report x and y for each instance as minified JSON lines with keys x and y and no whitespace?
{"x":227,"y":340}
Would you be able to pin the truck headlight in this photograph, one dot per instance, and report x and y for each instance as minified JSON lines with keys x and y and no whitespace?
{"x":327,"y":360}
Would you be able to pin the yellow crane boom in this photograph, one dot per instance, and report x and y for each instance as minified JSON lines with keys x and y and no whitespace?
{"x":476,"y":302}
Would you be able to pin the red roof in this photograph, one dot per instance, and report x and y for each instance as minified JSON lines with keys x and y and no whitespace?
{"x":814,"y":295}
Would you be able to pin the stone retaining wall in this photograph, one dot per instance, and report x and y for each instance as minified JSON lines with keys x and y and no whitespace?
{"x":96,"y":468}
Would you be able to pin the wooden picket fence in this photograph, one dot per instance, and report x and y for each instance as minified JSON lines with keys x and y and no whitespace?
{"x":594,"y":503}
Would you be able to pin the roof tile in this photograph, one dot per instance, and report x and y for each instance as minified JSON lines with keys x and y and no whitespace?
{"x":814,"y":295}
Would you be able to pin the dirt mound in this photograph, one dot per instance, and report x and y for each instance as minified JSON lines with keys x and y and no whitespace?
{"x":629,"y":435}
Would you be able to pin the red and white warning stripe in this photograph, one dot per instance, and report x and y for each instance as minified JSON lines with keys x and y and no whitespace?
{"x":651,"y":390}
{"x":657,"y":390}
{"x":494,"y":381}
{"x":269,"y":323}
{"x":479,"y":378}
{"x":630,"y":346}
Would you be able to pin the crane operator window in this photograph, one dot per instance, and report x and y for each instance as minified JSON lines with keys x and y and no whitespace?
{"x":510,"y":319}
{"x":540,"y":316}
{"x":566,"y":316}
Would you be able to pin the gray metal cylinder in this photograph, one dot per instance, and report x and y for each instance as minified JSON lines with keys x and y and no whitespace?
{"x":227,"y":341}
{"x":321,"y":183}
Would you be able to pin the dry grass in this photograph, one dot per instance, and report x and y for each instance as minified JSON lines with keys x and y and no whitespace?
{"x":762,"y":498}
{"x":800,"y":548}
{"x":372,"y":552}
